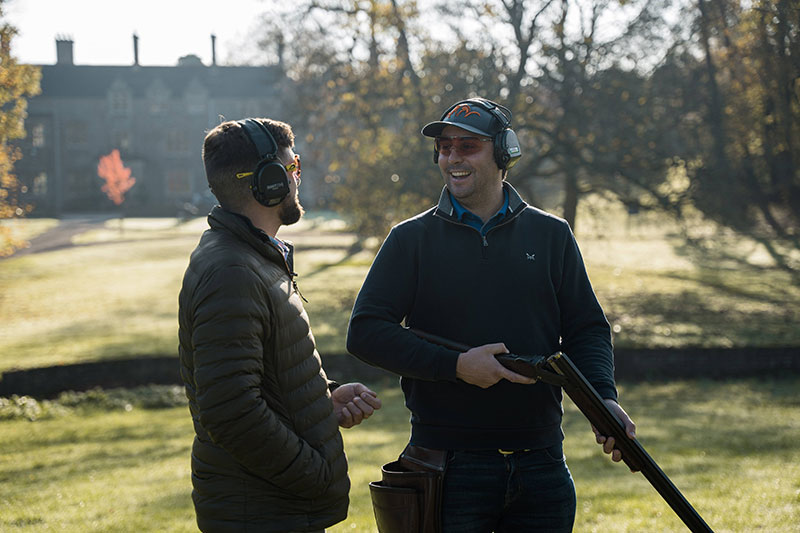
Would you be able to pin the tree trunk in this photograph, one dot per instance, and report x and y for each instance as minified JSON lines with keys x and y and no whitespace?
{"x":715,"y":105}
{"x":571,"y":199}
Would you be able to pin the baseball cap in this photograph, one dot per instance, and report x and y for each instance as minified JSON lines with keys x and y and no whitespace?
{"x":469,"y":115}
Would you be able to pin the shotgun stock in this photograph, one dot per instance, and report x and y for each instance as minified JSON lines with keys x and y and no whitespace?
{"x":559,"y":370}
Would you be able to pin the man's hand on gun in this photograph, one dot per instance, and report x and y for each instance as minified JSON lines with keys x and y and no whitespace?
{"x":608,"y":442}
{"x":478,"y":366}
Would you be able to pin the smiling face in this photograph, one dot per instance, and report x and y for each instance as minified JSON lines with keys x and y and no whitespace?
{"x":473,"y":179}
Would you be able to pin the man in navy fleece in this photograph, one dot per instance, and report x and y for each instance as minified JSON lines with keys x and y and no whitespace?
{"x":485,"y":269}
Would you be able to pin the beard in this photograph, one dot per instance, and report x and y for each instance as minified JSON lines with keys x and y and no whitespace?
{"x":290,"y":210}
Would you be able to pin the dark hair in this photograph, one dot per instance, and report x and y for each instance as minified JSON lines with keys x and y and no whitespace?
{"x":227,"y":151}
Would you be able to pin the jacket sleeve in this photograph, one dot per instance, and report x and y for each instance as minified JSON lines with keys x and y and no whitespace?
{"x":231,"y":321}
{"x":375,"y":334}
{"x":585,"y":333}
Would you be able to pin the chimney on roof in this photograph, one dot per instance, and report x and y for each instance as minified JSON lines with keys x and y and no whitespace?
{"x":63,"y":50}
{"x":135,"y":50}
{"x":213,"y":50}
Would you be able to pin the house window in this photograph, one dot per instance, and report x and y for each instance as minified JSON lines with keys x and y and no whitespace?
{"x":37,"y":135}
{"x":80,"y":184}
{"x":196,"y":103}
{"x":76,"y":132}
{"x":122,"y":140}
{"x":119,"y":103}
{"x":158,"y":106}
{"x":119,"y":99}
{"x":178,"y":183}
{"x":196,"y":98}
{"x":158,"y":97}
{"x":40,"y":184}
{"x":177,"y":142}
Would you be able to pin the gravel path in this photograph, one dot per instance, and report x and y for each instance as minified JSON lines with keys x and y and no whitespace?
{"x":61,"y":236}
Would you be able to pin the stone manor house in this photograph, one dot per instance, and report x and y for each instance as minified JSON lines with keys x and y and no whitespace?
{"x":156,"y":116}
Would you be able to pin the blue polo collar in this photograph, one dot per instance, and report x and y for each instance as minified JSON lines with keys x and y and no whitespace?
{"x":465,"y":216}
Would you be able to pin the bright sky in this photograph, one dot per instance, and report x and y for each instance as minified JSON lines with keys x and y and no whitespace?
{"x":102,"y":30}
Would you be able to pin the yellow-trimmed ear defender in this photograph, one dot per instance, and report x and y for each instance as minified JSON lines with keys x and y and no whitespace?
{"x":269,"y":180}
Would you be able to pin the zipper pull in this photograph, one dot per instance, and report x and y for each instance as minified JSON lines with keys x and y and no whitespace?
{"x":485,"y":242}
{"x":297,"y":289}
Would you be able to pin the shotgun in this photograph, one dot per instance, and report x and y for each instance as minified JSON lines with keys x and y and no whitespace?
{"x":560,"y":371}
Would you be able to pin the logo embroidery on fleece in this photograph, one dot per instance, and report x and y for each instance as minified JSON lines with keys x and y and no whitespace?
{"x":531,"y":257}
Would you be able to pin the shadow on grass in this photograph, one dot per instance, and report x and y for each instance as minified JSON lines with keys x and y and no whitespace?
{"x":352,"y":250}
{"x":64,"y":466}
{"x":90,"y":340}
{"x":706,"y":320}
{"x":167,"y":503}
{"x":735,"y":285}
{"x":727,"y":251}
{"x":701,"y":427}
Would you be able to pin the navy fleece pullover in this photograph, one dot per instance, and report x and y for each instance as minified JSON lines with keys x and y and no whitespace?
{"x":523,"y":284}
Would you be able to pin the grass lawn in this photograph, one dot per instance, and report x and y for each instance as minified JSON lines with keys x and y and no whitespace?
{"x":114,"y":294}
{"x":731,"y":448}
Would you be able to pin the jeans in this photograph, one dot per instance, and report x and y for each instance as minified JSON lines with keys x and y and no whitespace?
{"x":525,"y":491}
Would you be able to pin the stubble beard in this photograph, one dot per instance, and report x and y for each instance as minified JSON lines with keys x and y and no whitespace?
{"x":290,"y":210}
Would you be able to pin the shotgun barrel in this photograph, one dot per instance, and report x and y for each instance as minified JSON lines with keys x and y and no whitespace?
{"x":559,"y":370}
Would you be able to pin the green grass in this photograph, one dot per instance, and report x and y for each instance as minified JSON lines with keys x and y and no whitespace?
{"x":115,"y":471}
{"x":731,"y":448}
{"x":114,"y":294}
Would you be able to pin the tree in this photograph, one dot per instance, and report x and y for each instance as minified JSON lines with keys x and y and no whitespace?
{"x":754,"y":112}
{"x":698,"y":112}
{"x":17,"y":84}
{"x":739,"y":105}
{"x":569,"y":69}
{"x":116,"y":175}
{"x":365,"y":82}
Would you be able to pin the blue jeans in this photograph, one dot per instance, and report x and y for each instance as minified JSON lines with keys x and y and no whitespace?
{"x":526,"y":491}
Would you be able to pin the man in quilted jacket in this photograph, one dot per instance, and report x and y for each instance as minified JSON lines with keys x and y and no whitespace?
{"x":267,"y":454}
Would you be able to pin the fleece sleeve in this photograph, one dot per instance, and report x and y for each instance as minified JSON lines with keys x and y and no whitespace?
{"x":375,"y":334}
{"x":585,"y":333}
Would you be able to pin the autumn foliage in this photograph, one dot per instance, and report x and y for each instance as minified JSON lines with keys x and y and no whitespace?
{"x":17,"y":84}
{"x":116,"y":175}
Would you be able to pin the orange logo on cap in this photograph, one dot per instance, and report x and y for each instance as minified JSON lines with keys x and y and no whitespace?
{"x":464,"y":110}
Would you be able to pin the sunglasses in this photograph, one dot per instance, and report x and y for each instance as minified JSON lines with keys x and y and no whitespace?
{"x":292,"y":168}
{"x":462,"y":145}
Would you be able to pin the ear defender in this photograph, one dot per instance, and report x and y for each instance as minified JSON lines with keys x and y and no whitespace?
{"x":507,"y":149}
{"x":269,"y":180}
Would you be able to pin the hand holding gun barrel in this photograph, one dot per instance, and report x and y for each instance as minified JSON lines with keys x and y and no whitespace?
{"x":617,"y":438}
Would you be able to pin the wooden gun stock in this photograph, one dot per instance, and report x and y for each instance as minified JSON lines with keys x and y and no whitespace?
{"x":559,"y":370}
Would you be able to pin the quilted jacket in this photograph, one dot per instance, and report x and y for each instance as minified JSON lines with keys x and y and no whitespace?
{"x":267,"y":454}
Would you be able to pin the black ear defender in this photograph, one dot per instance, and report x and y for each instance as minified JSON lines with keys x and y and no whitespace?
{"x":507,"y":149}
{"x":269,"y":180}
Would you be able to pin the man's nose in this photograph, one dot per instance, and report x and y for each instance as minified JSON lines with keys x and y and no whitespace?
{"x":454,"y":156}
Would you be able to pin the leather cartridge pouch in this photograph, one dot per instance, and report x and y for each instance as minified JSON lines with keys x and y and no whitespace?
{"x":408,"y":498}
